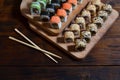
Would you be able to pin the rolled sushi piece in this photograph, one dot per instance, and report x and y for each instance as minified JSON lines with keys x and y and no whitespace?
{"x":75,"y":28}
{"x":43,"y":4}
{"x":35,"y":8}
{"x":92,"y":28}
{"x":69,"y":36}
{"x":92,"y":9}
{"x":108,"y":8}
{"x":62,"y":14}
{"x":97,"y":3}
{"x":56,"y":22}
{"x":98,"y":21}
{"x":67,"y":7}
{"x":81,"y":22}
{"x":56,"y":3}
{"x":86,"y":35}
{"x":103,"y":14}
{"x":73,"y":2}
{"x":80,"y":44}
{"x":51,"y":9}
{"x":45,"y":16}
{"x":87,"y":15}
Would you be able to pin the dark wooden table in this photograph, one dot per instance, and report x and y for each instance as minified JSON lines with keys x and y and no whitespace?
{"x":18,"y":62}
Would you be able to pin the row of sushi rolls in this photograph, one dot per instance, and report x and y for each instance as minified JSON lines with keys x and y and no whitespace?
{"x":85,"y":25}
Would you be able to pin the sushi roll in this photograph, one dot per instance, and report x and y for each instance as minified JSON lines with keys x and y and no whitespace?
{"x":86,"y":35}
{"x":98,"y":21}
{"x":43,"y":3}
{"x":103,"y":14}
{"x":108,"y":8}
{"x":97,"y":3}
{"x":73,"y":2}
{"x":80,"y":44}
{"x":69,"y":36}
{"x":87,"y":15}
{"x":67,"y":7}
{"x":92,"y":10}
{"x":45,"y":16}
{"x":35,"y":8}
{"x":75,"y":28}
{"x":92,"y":28}
{"x":55,"y":22}
{"x":50,"y":9}
{"x":62,"y":14}
{"x":56,"y":3}
{"x":81,"y":22}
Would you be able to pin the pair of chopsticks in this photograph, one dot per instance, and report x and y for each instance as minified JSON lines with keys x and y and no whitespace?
{"x":34,"y":46}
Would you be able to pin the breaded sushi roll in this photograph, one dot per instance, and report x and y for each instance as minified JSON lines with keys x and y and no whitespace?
{"x":75,"y":28}
{"x":73,"y":2}
{"x":80,"y":44}
{"x":108,"y":8}
{"x":87,"y":16}
{"x":103,"y":14}
{"x":69,"y":36}
{"x":55,"y":22}
{"x":92,"y":9}
{"x":81,"y":22}
{"x":92,"y":28}
{"x":67,"y":7}
{"x":86,"y":35}
{"x":98,"y":4}
{"x":98,"y":21}
{"x":62,"y":14}
{"x":35,"y":8}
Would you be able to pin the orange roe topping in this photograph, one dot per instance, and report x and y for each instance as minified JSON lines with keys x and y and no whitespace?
{"x":55,"y":19}
{"x":72,"y":2}
{"x":67,"y":6}
{"x":61,"y":12}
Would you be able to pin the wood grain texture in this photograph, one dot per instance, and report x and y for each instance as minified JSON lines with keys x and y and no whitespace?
{"x":21,"y":62}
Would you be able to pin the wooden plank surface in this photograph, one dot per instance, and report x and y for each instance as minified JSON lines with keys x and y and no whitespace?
{"x":21,"y":62}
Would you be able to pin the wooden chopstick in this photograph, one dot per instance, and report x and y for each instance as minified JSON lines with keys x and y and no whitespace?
{"x":36,"y":45}
{"x":42,"y":50}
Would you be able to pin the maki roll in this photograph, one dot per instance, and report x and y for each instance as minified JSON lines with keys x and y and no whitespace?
{"x":50,"y":8}
{"x":103,"y":14}
{"x":86,"y":35}
{"x":92,"y":9}
{"x":69,"y":36}
{"x":80,"y":44}
{"x":45,"y":16}
{"x":35,"y":8}
{"x":87,"y":15}
{"x":75,"y":28}
{"x":43,"y":3}
{"x":97,"y":3}
{"x":108,"y":8}
{"x":56,"y":3}
{"x":67,"y":7}
{"x":62,"y":14}
{"x":73,"y":2}
{"x":48,"y":1}
{"x":55,"y":22}
{"x":81,"y":22}
{"x":98,"y":21}
{"x":92,"y":28}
